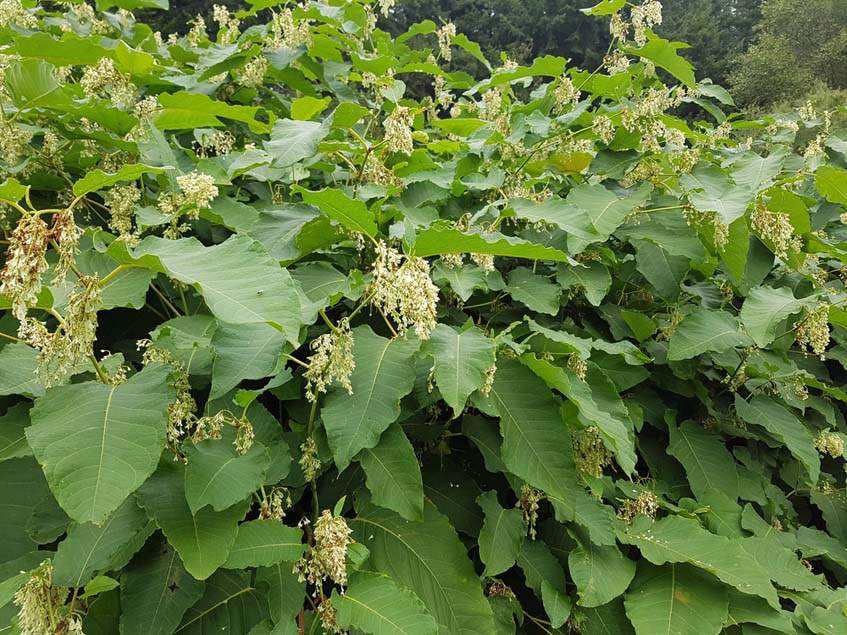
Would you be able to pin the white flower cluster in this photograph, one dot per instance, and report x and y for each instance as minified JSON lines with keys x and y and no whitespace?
{"x":198,"y":191}
{"x":644,"y":16}
{"x":603,"y":127}
{"x":14,"y":143}
{"x":103,"y":79}
{"x":25,"y":263}
{"x":197,"y":33}
{"x":812,"y":331}
{"x":182,"y":410}
{"x":13,"y":12}
{"x":309,"y":462}
{"x":286,"y":32}
{"x":565,"y":94}
{"x":331,"y":361}
{"x":62,"y":351}
{"x":220,"y":143}
{"x":445,"y":35}
{"x":253,"y":72}
{"x":777,"y":229}
{"x":590,"y":454}
{"x":403,"y":290}
{"x":830,"y":443}
{"x":228,"y":24}
{"x":398,"y":130}
{"x":327,"y":558}
{"x":41,"y":606}
{"x":645,"y":505}
{"x":122,"y":201}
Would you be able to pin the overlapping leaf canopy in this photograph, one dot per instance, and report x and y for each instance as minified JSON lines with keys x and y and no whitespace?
{"x":624,"y":413}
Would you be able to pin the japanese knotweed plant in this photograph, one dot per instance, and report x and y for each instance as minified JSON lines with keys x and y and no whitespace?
{"x":304,"y":331}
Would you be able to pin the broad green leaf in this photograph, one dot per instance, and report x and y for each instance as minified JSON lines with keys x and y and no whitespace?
{"x":435,"y":241}
{"x":663,"y":54}
{"x":501,"y":536}
{"x":592,"y":279}
{"x":831,"y":182}
{"x":754,"y":172}
{"x":230,"y":604}
{"x":711,"y":190}
{"x":89,"y":548}
{"x":126,"y":288}
{"x":383,"y":376}
{"x":676,"y":599}
{"x":262,"y":543}
{"x":557,"y":605}
{"x":156,"y":590}
{"x":784,"y":426}
{"x":351,"y":213}
{"x":534,"y":291}
{"x":24,"y":489}
{"x":429,"y":559}
{"x":18,"y":363}
{"x":243,"y":351}
{"x":98,"y":180}
{"x":238,"y":280}
{"x":833,"y":506}
{"x":676,"y":539}
{"x":665,"y":272}
{"x":292,"y":141}
{"x":540,"y":566}
{"x":705,"y":331}
{"x":97,"y":443}
{"x":374,"y":603}
{"x":217,"y":475}
{"x":306,"y":107}
{"x":185,"y":111}
{"x":285,"y":592}
{"x":13,"y":424}
{"x":12,"y":190}
{"x":605,"y":7}
{"x":764,"y":309}
{"x":536,"y":443}
{"x":202,"y":540}
{"x":460,"y":359}
{"x":393,"y":474}
{"x":614,"y":426}
{"x":745,"y":608}
{"x":601,"y":573}
{"x":70,"y":49}
{"x":33,"y":84}
{"x":708,"y":464}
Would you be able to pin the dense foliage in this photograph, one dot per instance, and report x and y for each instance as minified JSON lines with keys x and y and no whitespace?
{"x":284,"y":350}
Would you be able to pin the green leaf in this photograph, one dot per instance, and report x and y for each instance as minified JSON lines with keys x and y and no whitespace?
{"x":239,"y":281}
{"x":13,"y":424}
{"x":675,"y":539}
{"x":676,"y":599}
{"x":262,"y":543}
{"x":230,"y":604}
{"x":383,"y":376}
{"x":24,"y":489}
{"x":665,"y":272}
{"x":185,"y":111}
{"x":556,"y":604}
{"x":156,"y":590}
{"x":436,"y":241}
{"x":202,"y":540}
{"x":601,"y":573}
{"x":764,"y":309}
{"x":429,"y":559}
{"x":460,"y":359}
{"x":605,"y":7}
{"x":292,"y":141}
{"x":711,"y":190}
{"x":12,"y":190}
{"x":787,"y":428}
{"x":306,"y":107}
{"x":97,"y":443}
{"x":705,"y":331}
{"x":663,"y":54}
{"x":18,"y":363}
{"x":708,"y":464}
{"x":351,"y":213}
{"x":217,"y":475}
{"x":831,"y":182}
{"x":374,"y":603}
{"x":243,"y":351}
{"x":536,"y":443}
{"x":89,"y":548}
{"x":393,"y":474}
{"x":33,"y":84}
{"x":100,"y":584}
{"x":501,"y":536}
{"x":98,"y":179}
{"x":613,"y":423}
{"x":534,"y":291}
{"x":592,"y":279}
{"x":285,"y":592}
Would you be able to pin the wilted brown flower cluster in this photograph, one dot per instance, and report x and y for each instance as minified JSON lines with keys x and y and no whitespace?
{"x":590,"y":454}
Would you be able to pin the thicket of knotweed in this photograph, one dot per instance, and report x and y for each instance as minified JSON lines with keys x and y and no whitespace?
{"x":284,"y":349}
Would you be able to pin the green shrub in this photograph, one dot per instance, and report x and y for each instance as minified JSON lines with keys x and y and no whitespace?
{"x":286,"y":350}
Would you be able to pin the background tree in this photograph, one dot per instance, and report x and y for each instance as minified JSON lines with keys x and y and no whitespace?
{"x":799,"y":42}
